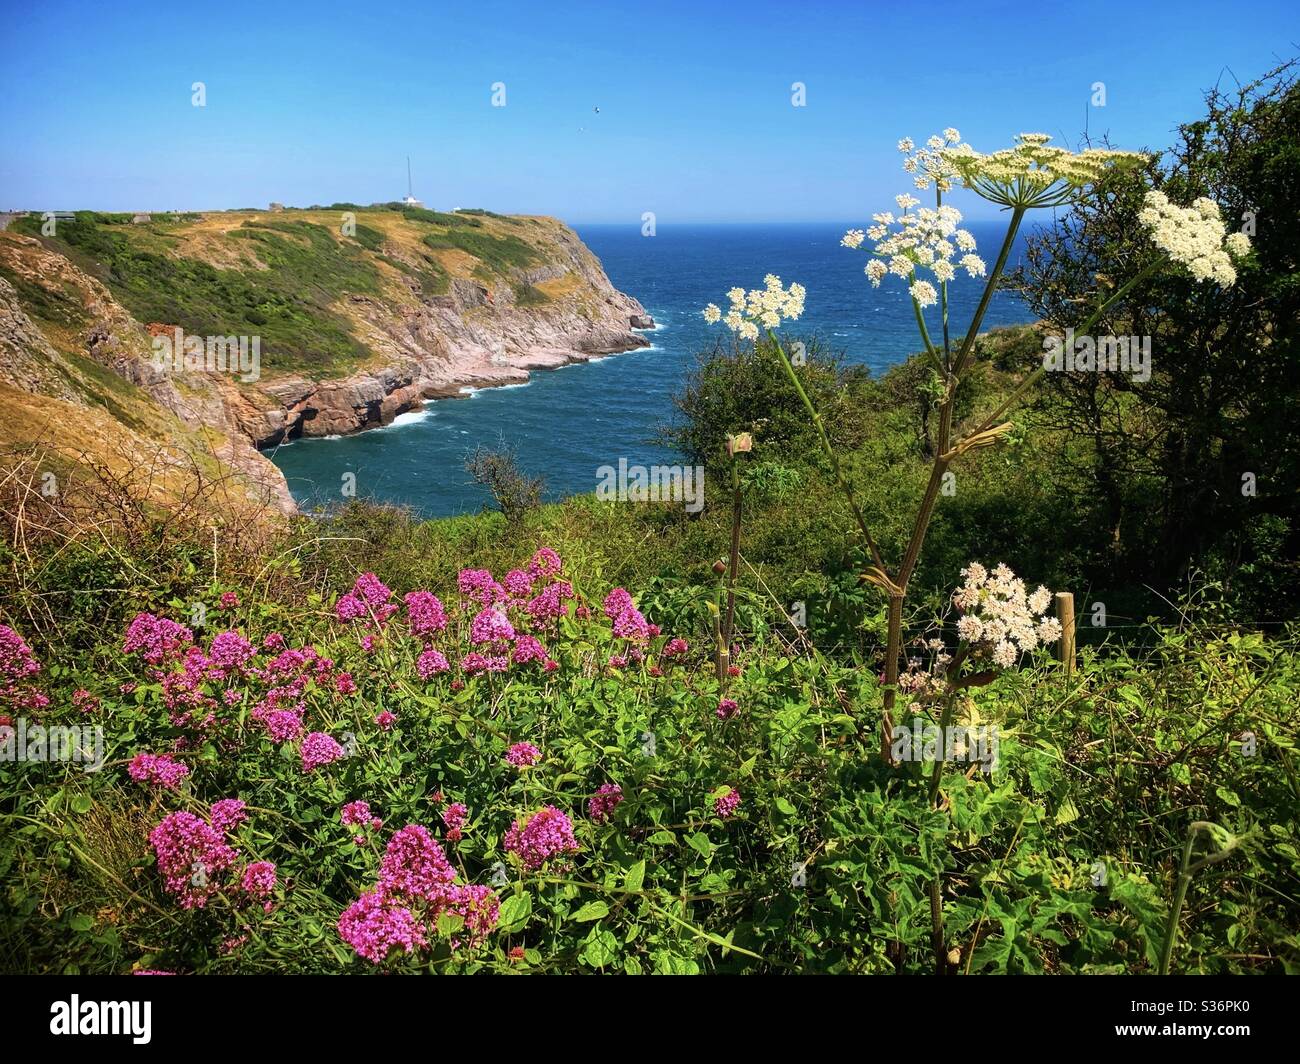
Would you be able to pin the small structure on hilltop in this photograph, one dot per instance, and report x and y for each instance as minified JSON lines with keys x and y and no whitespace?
{"x":410,"y":200}
{"x":141,"y":219}
{"x":277,"y":206}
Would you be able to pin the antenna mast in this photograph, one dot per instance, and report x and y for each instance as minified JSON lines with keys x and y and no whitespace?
{"x":409,"y":191}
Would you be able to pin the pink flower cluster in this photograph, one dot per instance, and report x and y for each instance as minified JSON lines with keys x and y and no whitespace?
{"x":358,"y":814}
{"x":491,"y":626}
{"x":189,"y":676}
{"x":480,"y":586}
{"x":521,"y":755}
{"x":453,"y":817}
{"x":288,"y":677}
{"x":629,"y":624}
{"x":366,"y":602}
{"x":319,"y":749}
{"x":84,"y":701}
{"x":601,"y":805}
{"x":416,"y":885}
{"x":156,"y":639}
{"x":18,"y":666}
{"x":191,"y":855}
{"x":725,"y":805}
{"x":258,"y":882}
{"x":547,"y":833}
{"x":425,"y":614}
{"x":727,"y":708}
{"x":228,"y":814}
{"x":159,"y":770}
{"x":430,"y":663}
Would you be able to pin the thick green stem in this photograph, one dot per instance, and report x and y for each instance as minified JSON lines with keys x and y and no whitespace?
{"x":968,"y":343}
{"x":1092,"y":320}
{"x":1226,"y":845}
{"x":1180,"y":896}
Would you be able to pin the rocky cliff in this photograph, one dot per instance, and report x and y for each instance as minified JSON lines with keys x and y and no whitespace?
{"x":354,"y":315}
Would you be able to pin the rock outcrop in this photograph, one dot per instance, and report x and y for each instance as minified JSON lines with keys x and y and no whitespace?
{"x":426,"y":324}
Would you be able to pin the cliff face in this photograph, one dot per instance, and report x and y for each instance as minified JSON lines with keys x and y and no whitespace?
{"x":484,"y":329}
{"x":356,"y":315}
{"x":81,"y":386}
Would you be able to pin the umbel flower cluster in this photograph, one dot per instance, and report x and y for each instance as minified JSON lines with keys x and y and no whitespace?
{"x":929,"y":165}
{"x":1194,"y":237}
{"x":767,"y":307}
{"x":926,"y":239}
{"x":1033,"y":173}
{"x":1000,"y":619}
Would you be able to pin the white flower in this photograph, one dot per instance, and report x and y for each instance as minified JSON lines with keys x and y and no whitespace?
{"x":906,"y":202}
{"x":1000,"y":619}
{"x":906,"y":145}
{"x":973,"y":265}
{"x":1237,"y":245}
{"x":853,"y":238}
{"x":923,"y":292}
{"x":876,"y":270}
{"x":766,"y":306}
{"x":951,"y":135}
{"x":1194,"y":237}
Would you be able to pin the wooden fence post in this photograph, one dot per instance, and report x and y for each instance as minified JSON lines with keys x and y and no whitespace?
{"x":1065,"y":646}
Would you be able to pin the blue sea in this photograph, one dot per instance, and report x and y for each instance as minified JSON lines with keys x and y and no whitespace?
{"x":564,"y":424}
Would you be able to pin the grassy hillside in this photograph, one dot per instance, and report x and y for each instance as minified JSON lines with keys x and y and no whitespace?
{"x":286,"y":275}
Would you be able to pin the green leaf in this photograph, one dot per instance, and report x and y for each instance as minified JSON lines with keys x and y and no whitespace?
{"x":81,"y":922}
{"x":699,"y":842}
{"x":662,"y":838}
{"x":602,"y":949}
{"x":634,"y":876}
{"x":81,"y":803}
{"x":785,"y":808}
{"x":593,"y":910}
{"x":515,"y":911}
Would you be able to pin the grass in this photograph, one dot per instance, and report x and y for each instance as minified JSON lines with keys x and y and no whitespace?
{"x":160,"y":272}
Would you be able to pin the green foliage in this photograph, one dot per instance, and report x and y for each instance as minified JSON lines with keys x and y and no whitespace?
{"x":1062,"y":860}
{"x":497,"y":255}
{"x":744,"y":389}
{"x":516,"y":494}
{"x":1179,"y":471}
{"x":288,"y":305}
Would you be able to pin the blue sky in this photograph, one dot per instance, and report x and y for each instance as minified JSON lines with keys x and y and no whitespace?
{"x":318,"y":102}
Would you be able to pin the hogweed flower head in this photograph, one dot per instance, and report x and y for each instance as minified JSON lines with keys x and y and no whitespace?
{"x":919,"y":238}
{"x":1000,"y":618}
{"x":1194,"y":237}
{"x":1033,"y":173}
{"x":929,"y":165}
{"x":764,"y":307}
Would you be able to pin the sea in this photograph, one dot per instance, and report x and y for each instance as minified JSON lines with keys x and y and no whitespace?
{"x":563,"y":425}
